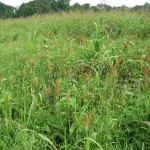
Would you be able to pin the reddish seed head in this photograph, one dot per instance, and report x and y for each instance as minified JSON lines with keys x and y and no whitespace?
{"x":147,"y":57}
{"x":57,"y":88}
{"x":113,"y":70}
{"x":148,"y":48}
{"x":82,"y":67}
{"x":92,"y":62}
{"x":87,"y":77}
{"x":149,"y":80}
{"x":146,"y":71}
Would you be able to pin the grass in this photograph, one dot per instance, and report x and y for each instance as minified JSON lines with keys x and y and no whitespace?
{"x":75,"y":81}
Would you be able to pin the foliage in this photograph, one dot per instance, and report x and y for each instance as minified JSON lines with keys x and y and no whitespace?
{"x":34,"y":7}
{"x":44,"y":6}
{"x":63,"y":5}
{"x":75,"y":81}
{"x":50,"y":6}
{"x":6,"y":11}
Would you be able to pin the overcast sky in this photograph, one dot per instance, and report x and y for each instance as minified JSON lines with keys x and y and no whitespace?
{"x":92,"y":2}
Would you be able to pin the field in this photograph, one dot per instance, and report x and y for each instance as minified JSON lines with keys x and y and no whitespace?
{"x":75,"y":82}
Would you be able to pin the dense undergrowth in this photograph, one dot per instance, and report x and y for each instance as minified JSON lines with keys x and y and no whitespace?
{"x":77,"y":81}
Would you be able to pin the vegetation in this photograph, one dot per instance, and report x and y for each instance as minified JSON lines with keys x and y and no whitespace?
{"x":75,"y":81}
{"x":50,"y":6}
{"x":6,"y":11}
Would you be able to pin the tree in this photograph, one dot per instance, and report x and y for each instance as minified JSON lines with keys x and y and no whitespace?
{"x":42,"y":6}
{"x":36,"y":6}
{"x":54,"y":5}
{"x":6,"y":11}
{"x":86,"y":6}
{"x":147,"y":7}
{"x":76,"y":6}
{"x":25,"y":10}
{"x":63,"y":4}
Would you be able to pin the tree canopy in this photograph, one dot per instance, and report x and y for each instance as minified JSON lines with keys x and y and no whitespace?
{"x":46,"y":6}
{"x":42,"y":6}
{"x":7,"y":11}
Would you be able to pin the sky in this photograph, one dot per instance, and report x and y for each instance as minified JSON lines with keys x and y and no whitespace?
{"x":92,"y":2}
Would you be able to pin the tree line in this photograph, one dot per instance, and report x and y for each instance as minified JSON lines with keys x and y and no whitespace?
{"x":50,"y":6}
{"x":6,"y":11}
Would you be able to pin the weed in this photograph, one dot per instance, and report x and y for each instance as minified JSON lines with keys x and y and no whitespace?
{"x":81,"y":81}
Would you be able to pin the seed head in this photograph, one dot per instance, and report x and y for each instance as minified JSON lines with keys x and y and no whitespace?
{"x":146,"y":71}
{"x":68,"y":95}
{"x":92,"y":61}
{"x":35,"y":80}
{"x":147,"y":57}
{"x":86,"y":120}
{"x":68,"y":40}
{"x":49,"y":66}
{"x":57,"y":87}
{"x":74,"y":116}
{"x":149,"y":80}
{"x":46,"y":91}
{"x":92,"y":117}
{"x":113,"y":70}
{"x":148,"y":48}
{"x":26,"y":56}
{"x":82,"y":68}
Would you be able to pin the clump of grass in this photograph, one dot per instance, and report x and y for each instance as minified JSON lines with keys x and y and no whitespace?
{"x":83,"y":83}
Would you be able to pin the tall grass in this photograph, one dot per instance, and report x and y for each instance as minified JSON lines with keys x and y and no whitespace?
{"x":73,"y":81}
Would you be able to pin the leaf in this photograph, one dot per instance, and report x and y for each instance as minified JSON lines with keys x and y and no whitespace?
{"x":47,"y":139}
{"x":128,"y":93}
{"x":41,"y":136}
{"x":92,"y":140}
{"x":146,"y":122}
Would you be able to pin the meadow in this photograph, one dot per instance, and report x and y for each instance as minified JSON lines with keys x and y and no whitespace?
{"x":78,"y":81}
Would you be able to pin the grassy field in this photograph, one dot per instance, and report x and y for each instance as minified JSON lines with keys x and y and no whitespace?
{"x":75,"y":82}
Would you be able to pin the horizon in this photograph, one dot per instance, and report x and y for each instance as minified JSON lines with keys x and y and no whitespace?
{"x":108,"y":2}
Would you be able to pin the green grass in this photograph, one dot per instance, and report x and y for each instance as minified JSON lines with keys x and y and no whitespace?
{"x":75,"y":81}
